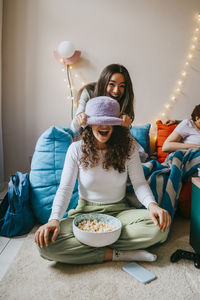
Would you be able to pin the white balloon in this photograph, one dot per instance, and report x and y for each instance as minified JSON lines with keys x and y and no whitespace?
{"x":66,"y":49}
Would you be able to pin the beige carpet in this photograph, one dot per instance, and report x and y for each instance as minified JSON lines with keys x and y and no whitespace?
{"x":31,"y":277}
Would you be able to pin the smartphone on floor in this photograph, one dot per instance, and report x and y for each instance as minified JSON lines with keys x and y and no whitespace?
{"x":138,"y":272}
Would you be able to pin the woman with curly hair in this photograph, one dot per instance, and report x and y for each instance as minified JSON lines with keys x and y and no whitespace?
{"x":102,"y":159}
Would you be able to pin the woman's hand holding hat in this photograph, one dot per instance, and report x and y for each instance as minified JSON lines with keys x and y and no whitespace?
{"x":81,"y":119}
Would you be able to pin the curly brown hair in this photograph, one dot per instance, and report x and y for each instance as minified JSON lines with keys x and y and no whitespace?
{"x":118,"y":150}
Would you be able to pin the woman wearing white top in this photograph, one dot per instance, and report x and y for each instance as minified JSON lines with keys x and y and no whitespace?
{"x":102,"y":160}
{"x":186,"y":135}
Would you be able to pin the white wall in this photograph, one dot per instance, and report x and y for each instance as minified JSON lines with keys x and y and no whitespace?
{"x":150,"y":37}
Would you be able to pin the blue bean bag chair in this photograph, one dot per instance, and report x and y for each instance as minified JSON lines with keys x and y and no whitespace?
{"x":46,"y":168}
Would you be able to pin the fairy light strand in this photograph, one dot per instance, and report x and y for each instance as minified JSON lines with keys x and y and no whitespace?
{"x":184,"y":73}
{"x":69,"y":80}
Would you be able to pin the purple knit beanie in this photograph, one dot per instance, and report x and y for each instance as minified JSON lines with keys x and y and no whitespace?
{"x":103,"y":110}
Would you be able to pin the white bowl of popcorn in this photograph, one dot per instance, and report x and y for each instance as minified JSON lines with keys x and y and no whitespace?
{"x":96,"y":230}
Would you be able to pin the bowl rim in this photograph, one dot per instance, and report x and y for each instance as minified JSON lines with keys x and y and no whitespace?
{"x":106,"y":232}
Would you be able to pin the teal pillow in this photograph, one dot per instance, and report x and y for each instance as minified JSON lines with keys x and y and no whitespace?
{"x":46,"y":169}
{"x":141,"y":134}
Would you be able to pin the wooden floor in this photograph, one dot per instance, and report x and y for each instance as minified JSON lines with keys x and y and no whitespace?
{"x":9,"y":247}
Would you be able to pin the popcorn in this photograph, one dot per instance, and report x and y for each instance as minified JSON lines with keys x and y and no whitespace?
{"x":95,"y":226}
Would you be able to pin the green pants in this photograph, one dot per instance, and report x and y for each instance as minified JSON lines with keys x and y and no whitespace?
{"x":138,"y":232}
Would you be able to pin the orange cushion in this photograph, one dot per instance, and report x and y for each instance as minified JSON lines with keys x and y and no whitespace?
{"x":163,"y":131}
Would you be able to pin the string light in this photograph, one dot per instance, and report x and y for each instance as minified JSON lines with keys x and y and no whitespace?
{"x":184,"y":74}
{"x":190,"y":56}
{"x":168,"y":106}
{"x":69,"y":79}
{"x":173,"y":98}
{"x":180,"y":82}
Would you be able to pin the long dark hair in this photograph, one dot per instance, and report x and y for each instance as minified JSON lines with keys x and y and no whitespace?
{"x":127,"y":101}
{"x":118,"y":149}
{"x":98,"y":88}
{"x":196,"y":112}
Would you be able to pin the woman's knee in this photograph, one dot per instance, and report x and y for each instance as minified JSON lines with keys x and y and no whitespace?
{"x":159,"y":236}
{"x":46,"y":253}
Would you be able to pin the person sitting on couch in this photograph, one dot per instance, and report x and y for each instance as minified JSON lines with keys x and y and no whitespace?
{"x":186,"y":135}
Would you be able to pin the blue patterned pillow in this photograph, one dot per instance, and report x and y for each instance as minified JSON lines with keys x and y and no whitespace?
{"x":141,"y":134}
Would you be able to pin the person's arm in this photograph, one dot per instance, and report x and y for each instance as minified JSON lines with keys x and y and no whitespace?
{"x":173,"y":143}
{"x":160,"y":216}
{"x":172,"y":122}
{"x":61,"y":200}
{"x":140,"y":185}
{"x":67,"y":183}
{"x":77,"y":121}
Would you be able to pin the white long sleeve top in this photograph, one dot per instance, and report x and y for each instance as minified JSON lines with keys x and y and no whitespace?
{"x":98,"y":185}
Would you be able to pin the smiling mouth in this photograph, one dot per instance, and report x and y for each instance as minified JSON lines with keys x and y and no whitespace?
{"x":115,"y":97}
{"x":103,"y":132}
